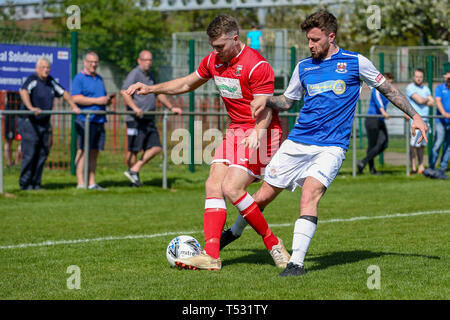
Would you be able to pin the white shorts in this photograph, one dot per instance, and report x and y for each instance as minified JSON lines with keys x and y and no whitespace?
{"x":295,"y":161}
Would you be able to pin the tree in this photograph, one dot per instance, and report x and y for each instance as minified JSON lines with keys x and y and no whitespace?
{"x":117,"y":30}
{"x":403,"y":22}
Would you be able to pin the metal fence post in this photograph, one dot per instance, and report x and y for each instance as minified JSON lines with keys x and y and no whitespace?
{"x":408,"y":159}
{"x":381,"y":155}
{"x":430,"y":67}
{"x":1,"y":156}
{"x":86,"y":150}
{"x":191,"y":105}
{"x":354,"y":149}
{"x":293,"y":64}
{"x":73,"y":134}
{"x":164,"y":182}
{"x":360,"y":125}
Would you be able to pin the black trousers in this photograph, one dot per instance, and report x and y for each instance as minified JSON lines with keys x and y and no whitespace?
{"x":35,"y":149}
{"x":378,"y":140}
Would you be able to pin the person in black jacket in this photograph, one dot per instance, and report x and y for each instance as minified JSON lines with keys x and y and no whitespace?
{"x":37,"y":94}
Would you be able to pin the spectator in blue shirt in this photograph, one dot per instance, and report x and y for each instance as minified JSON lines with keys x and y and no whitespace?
{"x":421,"y":99}
{"x":376,"y":130}
{"x":255,"y":39}
{"x":88,"y":90}
{"x":442,"y":97}
{"x":37,"y":94}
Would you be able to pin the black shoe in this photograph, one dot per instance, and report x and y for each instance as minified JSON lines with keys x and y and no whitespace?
{"x":133,"y":177}
{"x":375,"y":172}
{"x":293,"y":270}
{"x":360,"y":166}
{"x":226,"y":238}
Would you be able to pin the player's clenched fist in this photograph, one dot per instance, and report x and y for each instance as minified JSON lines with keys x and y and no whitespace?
{"x":139,"y":88}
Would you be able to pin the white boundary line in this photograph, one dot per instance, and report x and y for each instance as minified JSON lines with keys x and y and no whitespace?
{"x":156,"y":235}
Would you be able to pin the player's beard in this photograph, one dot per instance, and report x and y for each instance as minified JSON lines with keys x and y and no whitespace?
{"x":321,"y":52}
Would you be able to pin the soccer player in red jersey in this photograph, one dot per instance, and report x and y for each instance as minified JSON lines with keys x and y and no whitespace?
{"x":245,"y":80}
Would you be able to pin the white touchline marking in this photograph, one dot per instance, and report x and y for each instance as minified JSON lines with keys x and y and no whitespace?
{"x":146,"y":236}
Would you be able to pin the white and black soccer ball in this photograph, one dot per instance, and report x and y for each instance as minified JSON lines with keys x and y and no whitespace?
{"x":182,"y":247}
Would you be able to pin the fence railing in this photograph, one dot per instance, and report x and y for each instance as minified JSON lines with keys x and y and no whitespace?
{"x":191,"y":115}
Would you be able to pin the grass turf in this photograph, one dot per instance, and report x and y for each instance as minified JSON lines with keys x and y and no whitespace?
{"x":410,"y":251}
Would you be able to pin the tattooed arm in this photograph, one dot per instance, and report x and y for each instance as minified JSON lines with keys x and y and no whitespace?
{"x":400,"y":101}
{"x":280,"y":103}
{"x":397,"y":98}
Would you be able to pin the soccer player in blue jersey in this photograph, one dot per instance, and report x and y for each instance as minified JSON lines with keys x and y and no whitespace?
{"x":311,"y":156}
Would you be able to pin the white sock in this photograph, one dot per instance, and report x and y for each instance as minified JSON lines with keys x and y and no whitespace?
{"x":239,"y":225}
{"x":303,"y":233}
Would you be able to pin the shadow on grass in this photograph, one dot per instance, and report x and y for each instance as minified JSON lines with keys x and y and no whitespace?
{"x":156,"y":182}
{"x":321,"y":262}
{"x":343,"y":257}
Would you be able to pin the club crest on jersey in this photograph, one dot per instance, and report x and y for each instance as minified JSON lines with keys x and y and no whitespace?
{"x":341,"y":67}
{"x":238,"y":70}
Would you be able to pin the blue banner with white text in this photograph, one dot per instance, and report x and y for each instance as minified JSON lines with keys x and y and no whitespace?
{"x":18,"y":62}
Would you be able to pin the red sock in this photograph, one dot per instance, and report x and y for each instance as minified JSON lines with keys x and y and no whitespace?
{"x":251,"y":213}
{"x":213,"y":222}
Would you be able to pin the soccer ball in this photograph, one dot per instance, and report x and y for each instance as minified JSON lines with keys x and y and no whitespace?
{"x":182,"y":247}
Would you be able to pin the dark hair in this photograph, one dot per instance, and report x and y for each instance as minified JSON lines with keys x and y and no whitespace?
{"x":323,"y":20}
{"x":419,"y":70}
{"x":222,"y":24}
{"x":388,"y":75}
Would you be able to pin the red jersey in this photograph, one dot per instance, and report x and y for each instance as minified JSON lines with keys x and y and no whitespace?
{"x":238,"y":81}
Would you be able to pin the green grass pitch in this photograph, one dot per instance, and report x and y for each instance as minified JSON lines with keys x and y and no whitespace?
{"x":118,"y":239}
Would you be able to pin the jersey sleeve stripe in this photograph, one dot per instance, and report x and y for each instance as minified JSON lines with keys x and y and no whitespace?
{"x":198,"y":75}
{"x":251,"y":71}
{"x":209,"y":58}
{"x":58,"y":88}
{"x":351,"y":55}
{"x":31,"y":86}
{"x":263,"y":94}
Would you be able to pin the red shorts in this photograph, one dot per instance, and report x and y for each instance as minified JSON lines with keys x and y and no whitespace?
{"x":252,"y":161}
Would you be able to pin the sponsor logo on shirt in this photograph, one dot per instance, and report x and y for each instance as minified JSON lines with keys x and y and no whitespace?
{"x":337,"y":86}
{"x":312,"y":68}
{"x":341,"y":67}
{"x":228,"y":87}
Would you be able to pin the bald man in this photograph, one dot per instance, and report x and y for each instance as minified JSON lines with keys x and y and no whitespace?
{"x":141,"y":129}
